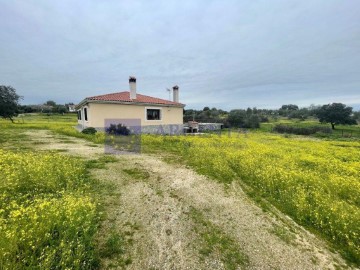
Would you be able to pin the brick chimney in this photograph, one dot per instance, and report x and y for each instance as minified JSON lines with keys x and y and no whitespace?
{"x":132,"y":83}
{"x":176,"y":93}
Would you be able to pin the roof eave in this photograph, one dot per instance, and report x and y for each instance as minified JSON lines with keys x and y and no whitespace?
{"x":81,"y":103}
{"x":86,"y":101}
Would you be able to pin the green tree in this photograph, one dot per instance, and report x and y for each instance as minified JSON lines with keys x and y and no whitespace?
{"x":50,"y":103}
{"x":252,"y":121}
{"x":335,"y":114}
{"x":237,"y":118}
{"x":357,"y":115}
{"x":249,"y":111}
{"x":285,"y":110}
{"x":289,"y":107}
{"x":301,"y":114}
{"x":60,"y":109}
{"x":9,"y":102}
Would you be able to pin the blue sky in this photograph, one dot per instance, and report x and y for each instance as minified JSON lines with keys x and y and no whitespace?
{"x":225,"y":54}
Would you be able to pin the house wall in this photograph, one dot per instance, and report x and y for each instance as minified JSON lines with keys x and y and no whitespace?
{"x":98,"y":113}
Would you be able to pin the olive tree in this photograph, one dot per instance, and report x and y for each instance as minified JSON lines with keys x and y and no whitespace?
{"x":335,"y":114}
{"x":9,"y":102}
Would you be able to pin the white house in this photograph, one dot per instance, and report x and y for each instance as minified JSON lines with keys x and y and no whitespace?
{"x":151,"y":114}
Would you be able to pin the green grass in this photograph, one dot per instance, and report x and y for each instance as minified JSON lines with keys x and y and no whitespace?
{"x":214,"y":242}
{"x":60,"y":124}
{"x":114,"y":245}
{"x":284,"y":234}
{"x":100,"y":163}
{"x":13,"y":139}
{"x":137,"y":173}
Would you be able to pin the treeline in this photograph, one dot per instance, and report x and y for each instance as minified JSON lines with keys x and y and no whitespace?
{"x":48,"y":107}
{"x":252,"y":117}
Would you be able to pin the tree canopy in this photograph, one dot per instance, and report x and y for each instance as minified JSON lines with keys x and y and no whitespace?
{"x":335,"y":114}
{"x":50,"y":103}
{"x":289,"y":107}
{"x":9,"y":102}
{"x":252,"y":117}
{"x":244,"y":118}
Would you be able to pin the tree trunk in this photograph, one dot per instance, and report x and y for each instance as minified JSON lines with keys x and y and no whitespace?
{"x":333,"y":126}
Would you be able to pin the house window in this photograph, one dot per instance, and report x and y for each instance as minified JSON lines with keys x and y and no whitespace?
{"x":79,"y":115}
{"x":85,"y":114}
{"x":153,"y":114}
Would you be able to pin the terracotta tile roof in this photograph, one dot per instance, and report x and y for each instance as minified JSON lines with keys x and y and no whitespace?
{"x":125,"y":97}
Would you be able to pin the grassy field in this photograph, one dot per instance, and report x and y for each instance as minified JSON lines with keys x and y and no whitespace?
{"x":316,"y":181}
{"x":49,"y":211}
{"x":61,"y":124}
{"x":341,"y":132}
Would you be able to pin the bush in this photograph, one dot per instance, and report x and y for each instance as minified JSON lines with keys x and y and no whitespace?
{"x":252,"y":121}
{"x":89,"y":130}
{"x":117,"y":130}
{"x":301,"y":130}
{"x":240,"y":118}
{"x":264,"y":119}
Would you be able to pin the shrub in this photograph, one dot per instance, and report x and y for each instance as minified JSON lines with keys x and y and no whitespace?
{"x":252,"y":121}
{"x":301,"y":130}
{"x":264,"y":119}
{"x":117,"y":130}
{"x":240,"y":118}
{"x":89,"y":130}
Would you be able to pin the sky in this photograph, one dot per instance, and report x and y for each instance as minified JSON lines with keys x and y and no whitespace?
{"x":226,"y":54}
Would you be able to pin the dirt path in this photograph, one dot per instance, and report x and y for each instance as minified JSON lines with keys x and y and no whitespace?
{"x":174,"y":218}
